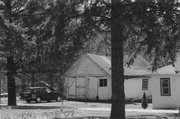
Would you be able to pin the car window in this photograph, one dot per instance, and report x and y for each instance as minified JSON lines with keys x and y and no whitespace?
{"x":48,"y":90}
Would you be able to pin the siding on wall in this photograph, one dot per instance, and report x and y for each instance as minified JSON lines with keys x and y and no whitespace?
{"x":89,"y":69}
{"x":85,"y":67}
{"x":92,"y":88}
{"x":172,"y":101}
{"x":87,"y":75}
{"x":88,"y":88}
{"x":133,"y":88}
{"x":70,"y":87}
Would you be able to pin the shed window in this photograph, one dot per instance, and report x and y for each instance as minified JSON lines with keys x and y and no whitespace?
{"x":103,"y":82}
{"x":165,"y":87}
{"x":145,"y":84}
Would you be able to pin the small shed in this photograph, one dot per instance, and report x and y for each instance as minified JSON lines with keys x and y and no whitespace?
{"x":90,"y":78}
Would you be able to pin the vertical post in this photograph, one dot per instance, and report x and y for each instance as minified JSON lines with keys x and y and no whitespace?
{"x":76,"y":87}
{"x":87,"y":89}
{"x":97,"y":97}
{"x":33,"y":78}
{"x":0,"y":89}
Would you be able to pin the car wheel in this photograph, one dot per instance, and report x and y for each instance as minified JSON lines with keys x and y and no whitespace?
{"x":38,"y":99}
{"x":28,"y":101}
{"x":58,"y":99}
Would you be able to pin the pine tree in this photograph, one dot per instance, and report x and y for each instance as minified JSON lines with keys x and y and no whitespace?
{"x":148,"y":27}
{"x":11,"y":40}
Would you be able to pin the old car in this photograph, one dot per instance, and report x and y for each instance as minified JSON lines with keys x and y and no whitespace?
{"x":39,"y":94}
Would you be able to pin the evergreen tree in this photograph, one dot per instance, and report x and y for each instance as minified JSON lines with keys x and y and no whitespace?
{"x":12,"y":41}
{"x":144,"y":103}
{"x":151,"y":28}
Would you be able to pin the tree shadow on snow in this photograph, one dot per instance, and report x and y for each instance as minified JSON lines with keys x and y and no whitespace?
{"x":147,"y":117}
{"x":31,"y":107}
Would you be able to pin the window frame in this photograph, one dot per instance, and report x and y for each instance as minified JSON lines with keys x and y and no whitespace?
{"x":103,"y":81}
{"x":143,"y":86}
{"x":169,"y":87}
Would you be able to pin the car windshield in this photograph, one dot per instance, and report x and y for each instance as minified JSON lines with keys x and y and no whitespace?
{"x":29,"y":90}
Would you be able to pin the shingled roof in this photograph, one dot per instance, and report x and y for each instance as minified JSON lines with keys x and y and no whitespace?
{"x":169,"y":69}
{"x":139,"y":67}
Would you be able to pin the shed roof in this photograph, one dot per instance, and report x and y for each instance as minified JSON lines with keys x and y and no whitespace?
{"x":139,"y":67}
{"x":169,"y":69}
{"x":102,"y":61}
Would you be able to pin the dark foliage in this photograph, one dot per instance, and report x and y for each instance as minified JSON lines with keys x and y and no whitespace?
{"x":144,"y":103}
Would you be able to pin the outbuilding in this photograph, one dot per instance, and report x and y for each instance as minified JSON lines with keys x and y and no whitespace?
{"x":90,"y":78}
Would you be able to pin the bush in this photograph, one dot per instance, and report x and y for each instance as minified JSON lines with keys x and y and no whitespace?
{"x":144,"y":103}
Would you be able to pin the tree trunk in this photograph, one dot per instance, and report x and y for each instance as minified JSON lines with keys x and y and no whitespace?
{"x":33,"y":79}
{"x":118,"y":96}
{"x":11,"y":72}
{"x":0,"y":87}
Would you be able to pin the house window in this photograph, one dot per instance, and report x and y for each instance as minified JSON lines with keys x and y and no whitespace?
{"x":103,"y":82}
{"x":145,"y":84}
{"x":165,"y":87}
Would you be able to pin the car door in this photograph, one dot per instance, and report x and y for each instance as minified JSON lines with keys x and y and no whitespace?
{"x":50,"y":94}
{"x":43,"y":93}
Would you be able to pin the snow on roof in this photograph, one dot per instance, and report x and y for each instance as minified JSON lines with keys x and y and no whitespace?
{"x":139,"y":67}
{"x":169,"y":69}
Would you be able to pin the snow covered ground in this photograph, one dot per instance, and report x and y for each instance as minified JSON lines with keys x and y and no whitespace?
{"x":72,"y":109}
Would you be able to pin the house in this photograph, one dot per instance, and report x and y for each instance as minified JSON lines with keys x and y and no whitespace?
{"x":90,"y":78}
{"x":166,"y":86}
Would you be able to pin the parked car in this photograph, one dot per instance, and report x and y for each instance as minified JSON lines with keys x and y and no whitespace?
{"x":39,"y":94}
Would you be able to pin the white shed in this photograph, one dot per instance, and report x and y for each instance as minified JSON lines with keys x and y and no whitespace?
{"x":90,"y":78}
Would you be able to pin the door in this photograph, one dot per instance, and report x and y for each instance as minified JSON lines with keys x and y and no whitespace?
{"x":82,"y":88}
{"x":92,"y":88}
{"x":49,"y":94}
{"x":103,"y":92}
{"x":70,"y":88}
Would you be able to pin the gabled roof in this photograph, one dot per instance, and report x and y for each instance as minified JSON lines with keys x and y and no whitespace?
{"x":139,"y":67}
{"x":169,"y":69}
{"x":102,"y":61}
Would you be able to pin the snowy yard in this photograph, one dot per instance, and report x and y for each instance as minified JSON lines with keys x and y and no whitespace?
{"x":74,"y":109}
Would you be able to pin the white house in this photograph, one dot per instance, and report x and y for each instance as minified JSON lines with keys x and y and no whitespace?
{"x":166,"y":86}
{"x":90,"y":78}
